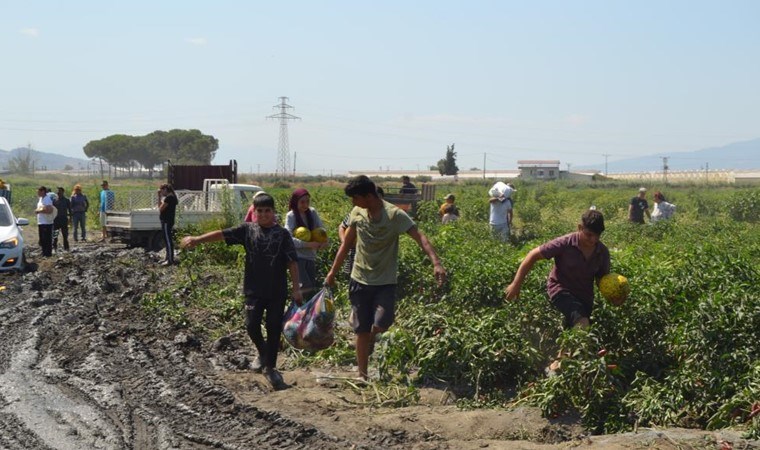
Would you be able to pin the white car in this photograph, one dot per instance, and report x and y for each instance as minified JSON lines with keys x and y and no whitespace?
{"x":11,"y":239}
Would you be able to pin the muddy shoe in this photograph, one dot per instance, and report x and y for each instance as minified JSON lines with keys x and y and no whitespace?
{"x":275,"y":379}
{"x":258,"y":364}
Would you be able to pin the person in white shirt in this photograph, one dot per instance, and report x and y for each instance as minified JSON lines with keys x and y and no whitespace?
{"x":45,"y":218}
{"x":500,"y":216}
{"x":662,"y":209}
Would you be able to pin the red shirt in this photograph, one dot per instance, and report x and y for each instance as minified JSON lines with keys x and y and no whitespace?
{"x":572,"y":272}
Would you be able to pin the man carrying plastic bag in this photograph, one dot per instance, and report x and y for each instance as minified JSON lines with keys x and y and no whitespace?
{"x":500,"y":215}
{"x":375,"y":226}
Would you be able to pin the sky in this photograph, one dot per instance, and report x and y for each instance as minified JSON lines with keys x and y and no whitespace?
{"x":385,"y":85}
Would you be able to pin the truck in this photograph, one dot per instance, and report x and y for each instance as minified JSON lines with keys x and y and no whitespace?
{"x":409,"y":202}
{"x":135,"y":217}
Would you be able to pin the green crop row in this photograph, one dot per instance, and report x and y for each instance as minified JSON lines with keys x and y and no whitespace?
{"x":682,"y":351}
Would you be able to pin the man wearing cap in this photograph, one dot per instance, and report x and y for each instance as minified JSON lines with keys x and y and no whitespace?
{"x":448,"y":210}
{"x":107,"y":200}
{"x":638,"y":207}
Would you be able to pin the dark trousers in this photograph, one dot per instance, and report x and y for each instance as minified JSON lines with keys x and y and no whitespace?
{"x":254,"y":314}
{"x":78,"y":220}
{"x":168,"y":231}
{"x":46,"y":239}
{"x":61,"y":228}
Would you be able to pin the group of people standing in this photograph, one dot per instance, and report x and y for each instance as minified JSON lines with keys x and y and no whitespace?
{"x":501,"y":205}
{"x":55,"y":212}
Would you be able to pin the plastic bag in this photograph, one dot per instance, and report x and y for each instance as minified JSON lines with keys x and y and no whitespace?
{"x":311,"y":325}
{"x":500,"y":189}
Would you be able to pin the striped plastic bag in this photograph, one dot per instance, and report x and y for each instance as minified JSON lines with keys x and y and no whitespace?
{"x":311,"y":325}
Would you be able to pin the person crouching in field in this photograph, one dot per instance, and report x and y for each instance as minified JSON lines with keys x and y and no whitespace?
{"x":580,"y":258}
{"x":448,"y":210}
{"x":269,"y":256}
{"x":374,"y":226}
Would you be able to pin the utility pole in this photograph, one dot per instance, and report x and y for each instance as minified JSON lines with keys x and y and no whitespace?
{"x":606,"y":155}
{"x":665,"y":169}
{"x":294,"y":164}
{"x":707,"y":174}
{"x":484,"y":165}
{"x":283,"y":149}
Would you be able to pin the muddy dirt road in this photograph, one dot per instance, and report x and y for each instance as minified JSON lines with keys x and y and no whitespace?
{"x":83,"y":367}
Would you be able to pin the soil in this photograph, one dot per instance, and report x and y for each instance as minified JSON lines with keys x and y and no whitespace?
{"x":83,"y":366}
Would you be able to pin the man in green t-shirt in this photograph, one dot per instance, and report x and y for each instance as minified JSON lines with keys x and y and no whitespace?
{"x":375,"y":225}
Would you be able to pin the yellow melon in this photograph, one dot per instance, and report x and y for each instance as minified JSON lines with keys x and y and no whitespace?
{"x":302,"y":233}
{"x":615,"y":288}
{"x":319,"y":235}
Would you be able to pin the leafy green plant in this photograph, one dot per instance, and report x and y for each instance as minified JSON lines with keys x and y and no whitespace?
{"x":745,"y":206}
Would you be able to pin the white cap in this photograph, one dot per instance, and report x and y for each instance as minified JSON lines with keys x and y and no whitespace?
{"x":642,"y":189}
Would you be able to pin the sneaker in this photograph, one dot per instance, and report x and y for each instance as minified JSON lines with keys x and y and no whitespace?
{"x":165,"y":263}
{"x":275,"y":379}
{"x":257,"y":365}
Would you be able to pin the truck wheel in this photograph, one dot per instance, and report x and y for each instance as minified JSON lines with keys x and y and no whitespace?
{"x":156,"y":242}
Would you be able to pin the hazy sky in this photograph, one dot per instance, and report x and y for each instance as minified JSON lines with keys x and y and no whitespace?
{"x":385,"y":83}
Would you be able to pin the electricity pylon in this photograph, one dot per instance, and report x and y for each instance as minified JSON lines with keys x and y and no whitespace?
{"x":283,"y":149}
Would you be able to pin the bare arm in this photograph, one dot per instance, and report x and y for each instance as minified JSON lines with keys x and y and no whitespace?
{"x":348,"y":242}
{"x":427,"y":247}
{"x":293,"y":269}
{"x":512,"y":291}
{"x":342,"y":232}
{"x":193,"y":241}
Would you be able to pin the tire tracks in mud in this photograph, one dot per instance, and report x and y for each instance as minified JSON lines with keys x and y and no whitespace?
{"x":81,"y":366}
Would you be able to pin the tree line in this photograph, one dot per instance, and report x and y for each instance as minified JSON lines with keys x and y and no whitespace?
{"x":133,"y":152}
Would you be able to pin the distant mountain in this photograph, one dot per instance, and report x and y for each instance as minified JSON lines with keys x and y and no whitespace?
{"x":42,"y":160}
{"x":738,"y":156}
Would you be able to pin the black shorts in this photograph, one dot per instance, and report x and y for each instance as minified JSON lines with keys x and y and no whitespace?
{"x":573,"y":308}
{"x":371,"y":305}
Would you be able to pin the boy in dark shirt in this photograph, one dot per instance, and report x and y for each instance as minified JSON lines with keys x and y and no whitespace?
{"x":580,"y":258}
{"x":269,"y":255}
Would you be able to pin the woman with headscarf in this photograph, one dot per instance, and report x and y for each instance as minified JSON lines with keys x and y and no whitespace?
{"x":301,"y":214}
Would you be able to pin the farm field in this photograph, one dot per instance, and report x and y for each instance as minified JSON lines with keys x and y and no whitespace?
{"x":681,"y":355}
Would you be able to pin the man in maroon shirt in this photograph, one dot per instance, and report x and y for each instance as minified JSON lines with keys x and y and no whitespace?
{"x":580,"y":259}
